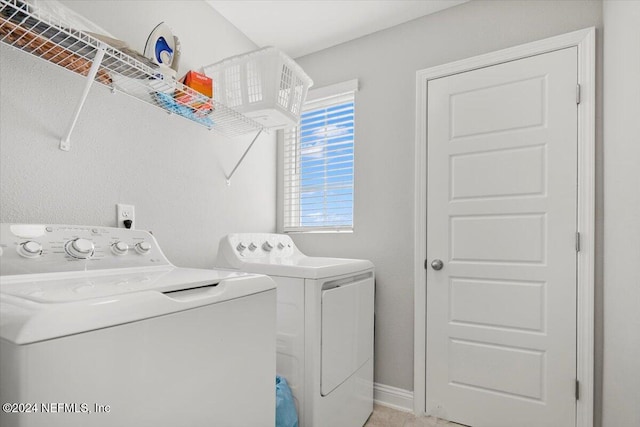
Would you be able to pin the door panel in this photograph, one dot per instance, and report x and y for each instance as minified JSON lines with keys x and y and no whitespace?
{"x":347,"y":331}
{"x":472,"y":176}
{"x":517,"y":373}
{"x":501,"y":214}
{"x":515,"y":238}
{"x":524,"y":109}
{"x":523,"y":303}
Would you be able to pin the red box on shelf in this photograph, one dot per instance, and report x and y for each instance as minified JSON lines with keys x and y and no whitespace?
{"x":200,"y":83}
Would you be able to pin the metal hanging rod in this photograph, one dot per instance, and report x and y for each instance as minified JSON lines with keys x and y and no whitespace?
{"x":65,"y":143}
{"x":255,"y":138}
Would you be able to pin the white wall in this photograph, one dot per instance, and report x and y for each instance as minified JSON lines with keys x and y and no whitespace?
{"x":621,"y":387}
{"x":386,"y":63}
{"x":122,"y":150}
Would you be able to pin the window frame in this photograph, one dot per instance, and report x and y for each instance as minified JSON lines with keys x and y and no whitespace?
{"x":318,"y":98}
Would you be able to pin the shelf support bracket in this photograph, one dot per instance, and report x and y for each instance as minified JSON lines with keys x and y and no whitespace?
{"x":65,"y":143}
{"x":228,"y":177}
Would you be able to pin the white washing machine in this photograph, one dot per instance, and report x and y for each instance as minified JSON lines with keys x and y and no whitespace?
{"x":99,"y":329}
{"x":325,"y":325}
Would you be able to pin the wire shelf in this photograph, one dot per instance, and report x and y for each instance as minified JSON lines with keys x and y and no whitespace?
{"x":24,"y":27}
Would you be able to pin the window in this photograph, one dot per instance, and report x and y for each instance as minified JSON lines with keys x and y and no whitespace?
{"x":318,"y":162}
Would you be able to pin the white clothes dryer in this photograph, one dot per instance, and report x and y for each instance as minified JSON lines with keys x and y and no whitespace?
{"x":325,"y":325}
{"x":98,"y":328}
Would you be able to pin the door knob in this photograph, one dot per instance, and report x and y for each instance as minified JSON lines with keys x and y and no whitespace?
{"x":437,"y":264}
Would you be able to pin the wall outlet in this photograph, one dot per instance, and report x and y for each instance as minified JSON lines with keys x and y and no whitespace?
{"x":125,"y":212}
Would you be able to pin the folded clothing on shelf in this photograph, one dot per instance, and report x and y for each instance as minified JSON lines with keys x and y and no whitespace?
{"x":170,"y":104}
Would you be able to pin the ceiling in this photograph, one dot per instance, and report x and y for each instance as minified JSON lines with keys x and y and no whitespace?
{"x":300,"y":27}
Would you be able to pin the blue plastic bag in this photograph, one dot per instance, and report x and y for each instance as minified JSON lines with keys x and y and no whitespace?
{"x":286,"y":415}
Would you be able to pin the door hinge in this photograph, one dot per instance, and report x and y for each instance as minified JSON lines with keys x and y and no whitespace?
{"x":577,"y":94}
{"x":577,"y":390}
{"x":425,"y":264}
{"x":577,"y":241}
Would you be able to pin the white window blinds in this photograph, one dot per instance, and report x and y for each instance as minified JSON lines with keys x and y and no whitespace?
{"x":319,"y":160}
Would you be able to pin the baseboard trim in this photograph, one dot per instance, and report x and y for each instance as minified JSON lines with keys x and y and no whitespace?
{"x":393,"y":397}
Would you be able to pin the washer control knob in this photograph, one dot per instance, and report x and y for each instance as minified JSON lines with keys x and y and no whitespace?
{"x":240,"y":247}
{"x":280,"y":245}
{"x":252,"y":247}
{"x":30,"y":249}
{"x":143,"y":248}
{"x":267,"y":247}
{"x":119,"y":248}
{"x":80,"y":248}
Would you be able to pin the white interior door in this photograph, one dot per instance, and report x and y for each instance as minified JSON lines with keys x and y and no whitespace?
{"x":501,"y":215}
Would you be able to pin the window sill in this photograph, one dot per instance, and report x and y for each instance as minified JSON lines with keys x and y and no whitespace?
{"x":320,"y":231}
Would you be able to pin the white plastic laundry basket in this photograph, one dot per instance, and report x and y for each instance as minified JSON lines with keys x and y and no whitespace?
{"x":266,"y":85}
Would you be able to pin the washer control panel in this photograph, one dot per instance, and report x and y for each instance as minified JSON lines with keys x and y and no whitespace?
{"x":43,"y":248}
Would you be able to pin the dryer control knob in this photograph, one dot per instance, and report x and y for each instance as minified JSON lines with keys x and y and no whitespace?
{"x":119,"y":248}
{"x":80,"y":248}
{"x":143,"y":248}
{"x":267,"y":247}
{"x":252,"y":247}
{"x":240,"y":247}
{"x":30,"y":249}
{"x":280,"y":245}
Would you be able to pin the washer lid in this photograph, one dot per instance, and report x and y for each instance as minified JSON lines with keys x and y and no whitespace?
{"x":63,"y":304}
{"x":305,"y":267}
{"x":79,"y":287}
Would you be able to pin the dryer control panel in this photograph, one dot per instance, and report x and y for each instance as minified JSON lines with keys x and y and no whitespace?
{"x":260,"y":245}
{"x":236,"y":250}
{"x":43,"y":248}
